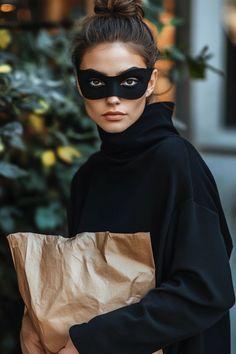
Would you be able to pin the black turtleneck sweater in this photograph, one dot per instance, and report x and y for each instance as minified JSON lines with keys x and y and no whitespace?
{"x":149,"y":178}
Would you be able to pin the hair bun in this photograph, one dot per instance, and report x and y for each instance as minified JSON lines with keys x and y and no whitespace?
{"x":126,"y":8}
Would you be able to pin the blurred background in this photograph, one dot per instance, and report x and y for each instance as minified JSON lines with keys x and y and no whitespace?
{"x":45,"y":134}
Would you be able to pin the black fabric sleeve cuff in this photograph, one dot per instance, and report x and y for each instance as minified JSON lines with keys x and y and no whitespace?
{"x":78,"y":335}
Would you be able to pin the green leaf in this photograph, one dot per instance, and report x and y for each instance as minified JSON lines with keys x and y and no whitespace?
{"x":176,"y":21}
{"x":34,"y":182}
{"x":80,"y":136}
{"x":11,"y":129}
{"x":44,"y":41}
{"x":11,"y":171}
{"x":49,"y":217}
{"x":215,"y":70}
{"x":197,"y":69}
{"x":174,"y":53}
{"x":4,"y":85}
{"x":17,"y":142}
{"x":203,"y":51}
{"x":7,"y":218}
{"x":152,"y":12}
{"x":60,"y":136}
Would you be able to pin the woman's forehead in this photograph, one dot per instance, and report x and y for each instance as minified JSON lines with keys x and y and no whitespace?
{"x":111,"y":59}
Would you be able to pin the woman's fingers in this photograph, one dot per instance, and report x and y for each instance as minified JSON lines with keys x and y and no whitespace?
{"x":69,"y":348}
{"x":29,"y":340}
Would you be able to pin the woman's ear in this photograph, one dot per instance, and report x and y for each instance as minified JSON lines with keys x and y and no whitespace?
{"x":152,"y":83}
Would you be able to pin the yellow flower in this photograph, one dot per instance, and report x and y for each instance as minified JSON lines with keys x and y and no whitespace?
{"x":67,"y":153}
{"x":5,"y":38}
{"x":44,"y":107}
{"x":48,"y":158}
{"x":37,"y":123}
{"x":5,"y":69}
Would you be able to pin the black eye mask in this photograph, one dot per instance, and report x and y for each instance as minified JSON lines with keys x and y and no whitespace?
{"x":130,"y":84}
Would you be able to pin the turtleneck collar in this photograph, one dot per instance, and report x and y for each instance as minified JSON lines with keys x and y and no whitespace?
{"x":153,"y":124}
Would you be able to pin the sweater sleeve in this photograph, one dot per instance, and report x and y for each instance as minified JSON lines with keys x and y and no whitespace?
{"x":197,"y":292}
{"x":71,"y":206}
{"x":78,"y":189}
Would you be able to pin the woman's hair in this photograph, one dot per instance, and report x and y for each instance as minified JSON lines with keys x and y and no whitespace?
{"x":116,"y":20}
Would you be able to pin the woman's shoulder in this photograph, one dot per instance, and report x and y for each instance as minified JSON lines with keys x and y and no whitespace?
{"x":176,"y":149}
{"x":172,"y":153}
{"x":181,"y":158}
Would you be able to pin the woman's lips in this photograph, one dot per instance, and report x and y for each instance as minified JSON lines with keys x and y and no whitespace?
{"x":114,"y":115}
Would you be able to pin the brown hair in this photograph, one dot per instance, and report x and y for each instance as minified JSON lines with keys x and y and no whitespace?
{"x":116,"y":20}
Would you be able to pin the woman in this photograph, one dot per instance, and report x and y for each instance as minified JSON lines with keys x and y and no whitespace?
{"x":147,"y":177}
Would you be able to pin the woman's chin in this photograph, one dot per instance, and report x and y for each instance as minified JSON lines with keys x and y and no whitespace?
{"x":116,"y":126}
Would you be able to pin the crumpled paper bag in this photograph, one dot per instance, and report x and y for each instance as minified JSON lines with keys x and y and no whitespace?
{"x":64,"y":281}
{"x":29,"y":340}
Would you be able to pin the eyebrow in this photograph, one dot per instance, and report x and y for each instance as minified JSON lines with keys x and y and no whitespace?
{"x":121,"y":72}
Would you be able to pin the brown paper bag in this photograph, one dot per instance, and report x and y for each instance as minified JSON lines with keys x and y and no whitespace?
{"x":29,"y":340}
{"x":64,"y":281}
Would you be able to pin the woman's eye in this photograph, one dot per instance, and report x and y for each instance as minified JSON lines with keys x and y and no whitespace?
{"x":130,"y":82}
{"x":96,"y":83}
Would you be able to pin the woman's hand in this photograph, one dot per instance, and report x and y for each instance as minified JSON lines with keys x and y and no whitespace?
{"x":69,"y":348}
{"x":29,"y":340}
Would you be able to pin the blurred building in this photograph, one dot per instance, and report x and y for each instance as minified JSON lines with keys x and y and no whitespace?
{"x":208,"y":107}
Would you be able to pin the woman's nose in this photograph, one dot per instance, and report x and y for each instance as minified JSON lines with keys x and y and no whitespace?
{"x":113,"y":100}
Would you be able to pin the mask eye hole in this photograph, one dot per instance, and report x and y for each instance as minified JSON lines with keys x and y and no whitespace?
{"x":130,"y":82}
{"x":96,"y":82}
